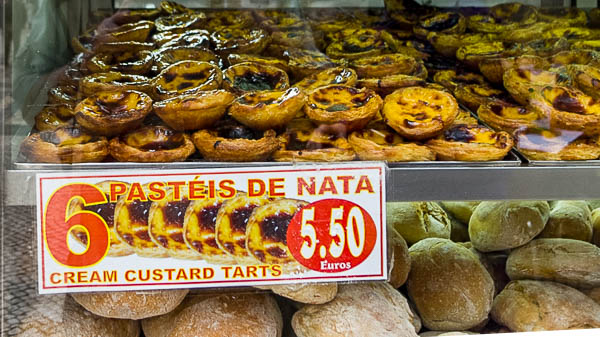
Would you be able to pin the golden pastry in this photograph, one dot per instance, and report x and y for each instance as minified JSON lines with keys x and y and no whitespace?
{"x":304,"y":63}
{"x":69,"y":144}
{"x":231,"y":223}
{"x":572,"y":33}
{"x":230,"y":19}
{"x":378,"y":142}
{"x":471,"y":143}
{"x":240,"y":41}
{"x":451,"y":79}
{"x":338,"y":75}
{"x":586,"y":78}
{"x":302,"y":39}
{"x":248,"y":77}
{"x":232,"y":142}
{"x":180,"y":22}
{"x":267,"y":109}
{"x":152,"y":144}
{"x":386,"y":85}
{"x":586,"y":45}
{"x":135,"y":31}
{"x":48,"y":119}
{"x":419,"y":113}
{"x":194,"y":38}
{"x":571,"y":17}
{"x":113,"y":81}
{"x":385,"y":65}
{"x":356,"y":43}
{"x":127,"y":62}
{"x":494,"y":68}
{"x":473,"y":54}
{"x":274,"y":21}
{"x":121,"y":47}
{"x":110,"y":113}
{"x":106,"y":211}
{"x":448,"y":44}
{"x":475,"y":95}
{"x":552,"y":144}
{"x":194,"y":111}
{"x":567,"y":57}
{"x":167,"y":56}
{"x":508,"y":117}
{"x":444,"y":22}
{"x":338,"y":104}
{"x":264,"y":60}
{"x":172,"y":7}
{"x":186,"y":77}
{"x":523,"y":83}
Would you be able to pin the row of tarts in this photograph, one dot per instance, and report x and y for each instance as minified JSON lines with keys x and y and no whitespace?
{"x":457,"y":268}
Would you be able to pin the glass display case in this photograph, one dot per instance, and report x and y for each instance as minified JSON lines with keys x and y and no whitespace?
{"x":166,"y":134}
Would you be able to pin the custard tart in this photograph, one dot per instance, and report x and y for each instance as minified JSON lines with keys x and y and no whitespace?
{"x":474,"y":95}
{"x":302,"y":39}
{"x":473,"y":54}
{"x":165,"y":225}
{"x":131,"y":226}
{"x":567,"y":57}
{"x":194,"y":111}
{"x":63,"y":95}
{"x":106,"y":211}
{"x":110,"y":113}
{"x":494,"y":68}
{"x":152,"y":144}
{"x":471,"y":143}
{"x":569,"y":109}
{"x":68,"y":144}
{"x":304,"y":63}
{"x":171,"y":55}
{"x":135,"y":31}
{"x":232,"y":142}
{"x":247,"y":77}
{"x":231,"y":224}
{"x":180,"y":22}
{"x":199,"y":230}
{"x":419,"y":113}
{"x":264,"y":60}
{"x":378,"y":142}
{"x":186,"y":77}
{"x":586,"y":78}
{"x":444,"y":22}
{"x":571,"y":33}
{"x":515,"y":12}
{"x":113,"y":81}
{"x":451,"y":79}
{"x":194,"y":38}
{"x":448,"y":44}
{"x":386,"y":85}
{"x":267,"y":109}
{"x":339,"y":104}
{"x":356,"y":43}
{"x":385,"y":65}
{"x":172,"y":7}
{"x":552,"y":144}
{"x":283,"y":21}
{"x":266,"y":233}
{"x":525,"y":34}
{"x":240,"y":41}
{"x":48,"y":119}
{"x":230,"y":19}
{"x":338,"y":75}
{"x":586,"y":44}
{"x":126,"y":62}
{"x":571,"y":17}
{"x":121,"y":47}
{"x":522,"y":84}
{"x":508,"y":117}
{"x":303,"y":142}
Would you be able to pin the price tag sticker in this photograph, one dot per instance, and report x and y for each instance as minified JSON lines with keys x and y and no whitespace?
{"x":141,"y":230}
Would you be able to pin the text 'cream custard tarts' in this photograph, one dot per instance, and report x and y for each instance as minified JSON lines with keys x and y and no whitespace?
{"x":471,"y":143}
{"x":569,"y":109}
{"x":340,"y":104}
{"x":110,"y":113}
{"x":165,"y":224}
{"x":128,"y":62}
{"x":267,"y":109}
{"x":248,"y":77}
{"x":113,"y":81}
{"x":303,"y":142}
{"x":106,"y":211}
{"x":171,"y":55}
{"x":231,"y":223}
{"x":337,"y":75}
{"x":508,"y":117}
{"x":419,"y":113}
{"x":200,"y":232}
{"x":230,"y":141}
{"x":194,"y":111}
{"x":131,"y":226}
{"x":378,"y":142}
{"x":68,"y":144}
{"x":523,"y":83}
{"x":553,"y":144}
{"x":240,"y":41}
{"x":186,"y":77}
{"x":152,"y":144}
{"x":266,"y":233}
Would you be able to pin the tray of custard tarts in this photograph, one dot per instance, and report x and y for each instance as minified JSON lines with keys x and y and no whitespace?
{"x":181,"y":86}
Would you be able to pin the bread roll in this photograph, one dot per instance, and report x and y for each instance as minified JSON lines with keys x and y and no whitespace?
{"x":449,"y":286}
{"x":60,"y":316}
{"x":528,"y":305}
{"x":594,"y":204}
{"x":572,"y":262}
{"x":593,"y":294}
{"x":359,"y":310}
{"x":131,"y":304}
{"x":459,"y":232}
{"x":461,"y":210}
{"x":400,"y":260}
{"x":495,"y":264}
{"x":596,"y":227}
{"x":416,"y":221}
{"x":311,"y":293}
{"x":500,"y":225}
{"x":244,"y":315}
{"x":569,"y":219}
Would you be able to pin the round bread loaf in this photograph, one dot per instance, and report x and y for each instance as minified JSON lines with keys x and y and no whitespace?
{"x":569,"y":219}
{"x":310,"y":293}
{"x":494,"y":263}
{"x":500,"y":225}
{"x":449,"y":286}
{"x":60,"y":316}
{"x":416,"y":221}
{"x":359,"y":310}
{"x":244,"y":315}
{"x":596,"y":227}
{"x":131,"y":304}
{"x":400,"y":260}
{"x":461,"y":210}
{"x":572,"y":262}
{"x":594,"y":204}
{"x":528,"y":305}
{"x":593,"y":294}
